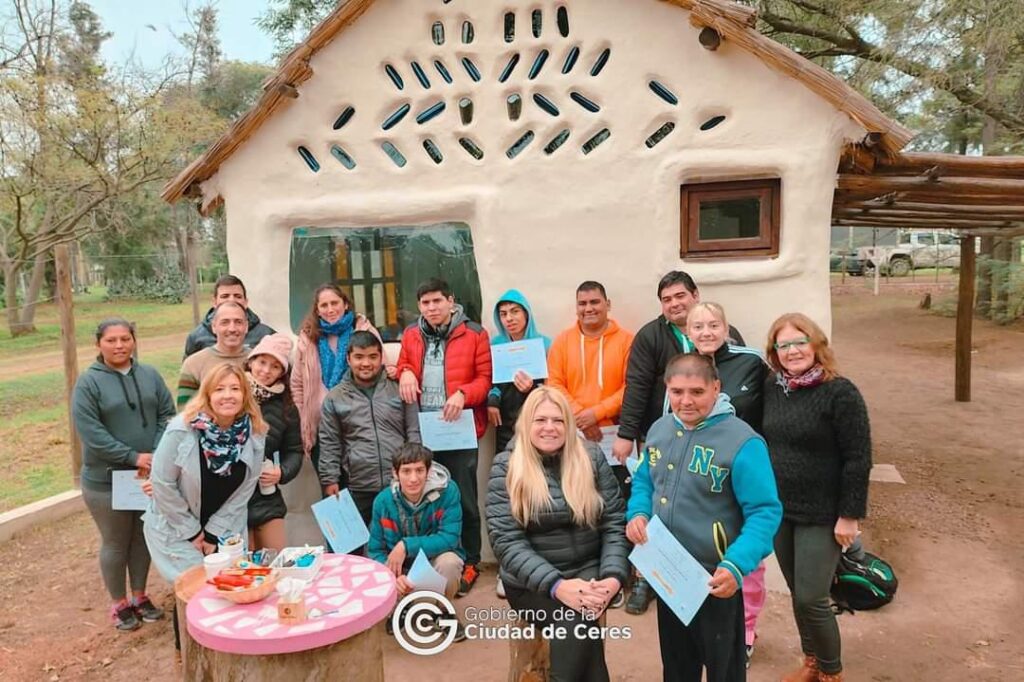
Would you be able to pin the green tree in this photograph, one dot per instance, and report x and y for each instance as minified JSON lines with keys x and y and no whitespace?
{"x":289,"y":21}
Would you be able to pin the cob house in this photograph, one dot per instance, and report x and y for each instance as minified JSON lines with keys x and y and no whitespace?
{"x":538,"y":144}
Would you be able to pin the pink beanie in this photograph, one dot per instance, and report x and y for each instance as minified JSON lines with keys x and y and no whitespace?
{"x":278,"y":346}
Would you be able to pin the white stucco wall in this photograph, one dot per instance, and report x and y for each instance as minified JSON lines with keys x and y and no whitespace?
{"x":545,"y":223}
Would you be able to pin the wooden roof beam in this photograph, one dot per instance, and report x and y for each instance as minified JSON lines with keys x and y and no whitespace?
{"x":927,"y":208}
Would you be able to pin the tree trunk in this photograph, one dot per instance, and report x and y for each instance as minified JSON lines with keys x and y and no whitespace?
{"x":26,"y":320}
{"x":12,"y":276}
{"x":1001,"y":280}
{"x":984,"y":301}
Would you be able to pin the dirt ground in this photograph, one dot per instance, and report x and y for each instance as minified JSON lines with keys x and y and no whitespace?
{"x":953,"y":534}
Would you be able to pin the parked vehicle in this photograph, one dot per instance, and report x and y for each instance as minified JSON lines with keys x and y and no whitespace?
{"x":915,"y":249}
{"x":854,"y":264}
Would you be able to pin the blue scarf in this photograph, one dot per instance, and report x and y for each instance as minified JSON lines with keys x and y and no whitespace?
{"x":221,"y":447}
{"x":333,"y":364}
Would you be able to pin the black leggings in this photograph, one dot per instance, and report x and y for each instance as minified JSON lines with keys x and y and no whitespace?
{"x":572,"y":659}
{"x":122,"y":545}
{"x":808,"y":556}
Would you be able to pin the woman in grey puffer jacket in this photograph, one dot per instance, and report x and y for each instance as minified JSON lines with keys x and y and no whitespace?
{"x":555,"y":520}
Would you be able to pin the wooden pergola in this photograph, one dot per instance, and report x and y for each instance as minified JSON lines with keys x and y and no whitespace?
{"x":976,"y":195}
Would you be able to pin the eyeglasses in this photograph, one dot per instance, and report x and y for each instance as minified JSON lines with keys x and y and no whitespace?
{"x":795,"y":343}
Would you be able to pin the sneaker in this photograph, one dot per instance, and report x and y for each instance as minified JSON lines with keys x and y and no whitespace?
{"x":640,"y":598}
{"x":124,"y":617}
{"x":618,"y":600}
{"x":145,"y":610}
{"x":499,"y":589}
{"x":469,"y":578}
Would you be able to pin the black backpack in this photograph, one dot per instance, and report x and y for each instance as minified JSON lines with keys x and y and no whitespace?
{"x":862,"y":583}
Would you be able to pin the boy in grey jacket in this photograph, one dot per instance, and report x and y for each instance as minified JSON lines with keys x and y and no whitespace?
{"x":364,"y":423}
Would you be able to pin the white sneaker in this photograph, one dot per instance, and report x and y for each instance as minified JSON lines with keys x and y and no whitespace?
{"x":499,"y":588}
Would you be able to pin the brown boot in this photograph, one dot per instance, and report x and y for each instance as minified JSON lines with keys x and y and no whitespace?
{"x":825,"y":677}
{"x":808,"y":672}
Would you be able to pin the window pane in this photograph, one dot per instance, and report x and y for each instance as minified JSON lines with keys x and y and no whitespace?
{"x":730,"y":219}
{"x":400,"y":258}
{"x":925,"y":238}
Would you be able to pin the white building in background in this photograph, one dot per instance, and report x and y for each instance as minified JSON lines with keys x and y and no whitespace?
{"x":536,"y":145}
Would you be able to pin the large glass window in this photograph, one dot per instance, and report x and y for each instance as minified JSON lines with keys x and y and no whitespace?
{"x":380,"y":269}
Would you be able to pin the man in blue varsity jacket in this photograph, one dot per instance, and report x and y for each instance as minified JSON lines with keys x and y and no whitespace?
{"x":707,"y":476}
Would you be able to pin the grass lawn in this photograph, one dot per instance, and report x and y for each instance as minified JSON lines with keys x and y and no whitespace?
{"x":33,"y":414}
{"x":151,"y":319}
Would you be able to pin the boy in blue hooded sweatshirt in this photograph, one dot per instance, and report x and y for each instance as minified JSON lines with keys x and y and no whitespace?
{"x":707,"y":476}
{"x":513,"y":319}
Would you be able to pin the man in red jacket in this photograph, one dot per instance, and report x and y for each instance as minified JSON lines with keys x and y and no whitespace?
{"x":445,"y":365}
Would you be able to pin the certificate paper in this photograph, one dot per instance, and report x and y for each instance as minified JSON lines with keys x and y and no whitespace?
{"x":439,"y":435}
{"x":608,"y":436}
{"x":509,"y":358}
{"x":678,"y":578}
{"x":127,"y":492}
{"x":340,"y":522}
{"x":423,"y":576}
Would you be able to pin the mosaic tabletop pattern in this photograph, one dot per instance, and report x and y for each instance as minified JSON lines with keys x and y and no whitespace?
{"x":353,"y":593}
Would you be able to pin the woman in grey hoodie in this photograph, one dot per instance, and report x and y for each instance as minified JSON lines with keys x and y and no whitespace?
{"x":120,"y":409}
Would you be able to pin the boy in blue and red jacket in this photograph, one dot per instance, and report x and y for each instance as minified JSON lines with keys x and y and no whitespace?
{"x":419,"y":510}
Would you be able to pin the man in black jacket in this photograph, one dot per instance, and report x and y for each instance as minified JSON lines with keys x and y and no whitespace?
{"x":643,"y":401}
{"x":226,"y":288}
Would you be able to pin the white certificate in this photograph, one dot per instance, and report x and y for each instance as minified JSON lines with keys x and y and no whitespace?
{"x":608,"y":436}
{"x":679,"y":579}
{"x":439,"y":435}
{"x":423,"y":576}
{"x":127,"y":491}
{"x":508,"y":358}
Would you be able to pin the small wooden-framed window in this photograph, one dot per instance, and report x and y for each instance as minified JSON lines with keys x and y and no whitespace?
{"x":729,"y":219}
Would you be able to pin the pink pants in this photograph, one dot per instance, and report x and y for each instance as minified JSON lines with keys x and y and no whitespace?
{"x":753,"y":600}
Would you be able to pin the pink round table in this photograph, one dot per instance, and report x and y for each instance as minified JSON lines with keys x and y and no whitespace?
{"x":352,"y":592}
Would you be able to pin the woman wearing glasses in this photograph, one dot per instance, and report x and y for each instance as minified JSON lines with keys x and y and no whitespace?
{"x":819,"y":441}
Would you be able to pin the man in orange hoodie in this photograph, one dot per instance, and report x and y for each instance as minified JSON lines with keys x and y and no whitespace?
{"x":587,"y":362}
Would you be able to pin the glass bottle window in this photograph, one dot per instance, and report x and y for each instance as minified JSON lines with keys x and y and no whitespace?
{"x":380,"y":269}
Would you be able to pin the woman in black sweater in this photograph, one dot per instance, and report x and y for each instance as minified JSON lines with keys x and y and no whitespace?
{"x":556,"y":523}
{"x":819,"y":441}
{"x":267,"y":371}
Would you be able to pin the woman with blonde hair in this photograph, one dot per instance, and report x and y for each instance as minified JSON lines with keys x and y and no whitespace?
{"x":555,"y":520}
{"x":204,"y":471}
{"x":742,"y":372}
{"x":819,"y":442}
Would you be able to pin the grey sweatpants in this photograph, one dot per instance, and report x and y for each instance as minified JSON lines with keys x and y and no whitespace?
{"x":122,"y":544}
{"x":808,"y":556}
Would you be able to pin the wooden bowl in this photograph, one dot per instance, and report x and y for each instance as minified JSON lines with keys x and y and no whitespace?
{"x":251,"y":594}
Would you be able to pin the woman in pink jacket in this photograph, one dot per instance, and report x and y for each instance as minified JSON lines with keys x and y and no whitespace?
{"x":321,"y":357}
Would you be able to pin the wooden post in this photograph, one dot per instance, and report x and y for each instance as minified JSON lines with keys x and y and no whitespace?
{"x":62,"y":261}
{"x":965,"y":320}
{"x":190,"y":262}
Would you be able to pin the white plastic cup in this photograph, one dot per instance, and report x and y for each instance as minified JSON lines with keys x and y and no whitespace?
{"x":232,"y":551}
{"x":268,"y":489}
{"x":215,"y":563}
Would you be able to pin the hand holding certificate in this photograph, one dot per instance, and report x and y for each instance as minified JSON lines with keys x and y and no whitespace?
{"x":423,"y":576}
{"x":678,"y":578}
{"x":527,"y":356}
{"x":440,"y":435}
